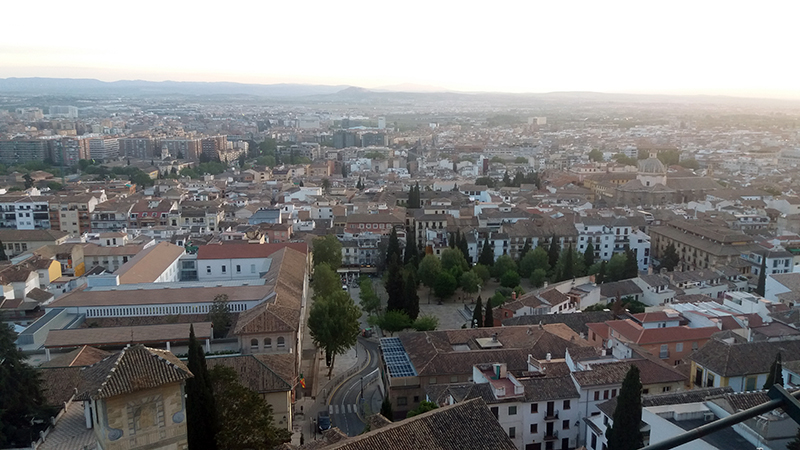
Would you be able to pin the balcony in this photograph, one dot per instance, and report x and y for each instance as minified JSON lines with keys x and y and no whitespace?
{"x":551,"y":435}
{"x":551,"y":415}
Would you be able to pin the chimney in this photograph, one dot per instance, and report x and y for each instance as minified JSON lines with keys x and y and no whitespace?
{"x":494,"y":337}
{"x":548,"y":357}
{"x":513,"y":295}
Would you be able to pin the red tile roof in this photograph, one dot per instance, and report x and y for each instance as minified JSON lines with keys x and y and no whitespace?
{"x":634,"y":332}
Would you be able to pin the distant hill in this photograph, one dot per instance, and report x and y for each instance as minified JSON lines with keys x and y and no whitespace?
{"x":86,"y":86}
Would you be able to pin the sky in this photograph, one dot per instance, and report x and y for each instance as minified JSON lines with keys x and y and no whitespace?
{"x":646,"y":46}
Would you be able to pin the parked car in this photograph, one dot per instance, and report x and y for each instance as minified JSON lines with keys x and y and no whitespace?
{"x":323,"y":420}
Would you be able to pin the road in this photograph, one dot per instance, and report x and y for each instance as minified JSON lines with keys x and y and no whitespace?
{"x":344,"y":401}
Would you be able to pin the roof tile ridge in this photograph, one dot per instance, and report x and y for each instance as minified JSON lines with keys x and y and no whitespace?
{"x":113,"y":369}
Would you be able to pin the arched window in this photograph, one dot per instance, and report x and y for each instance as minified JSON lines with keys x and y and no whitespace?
{"x":267,"y":343}
{"x":253,"y":344}
{"x":281,"y":342}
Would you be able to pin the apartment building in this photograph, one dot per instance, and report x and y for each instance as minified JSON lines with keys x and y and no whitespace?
{"x":73,"y":214}
{"x":104,"y":149}
{"x":141,"y":147}
{"x":20,"y":151}
{"x":700,"y":246}
{"x":24,"y":212}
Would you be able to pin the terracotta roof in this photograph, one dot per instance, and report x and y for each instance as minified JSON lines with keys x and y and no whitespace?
{"x":227,"y":251}
{"x":133,"y":369}
{"x":635,"y":333}
{"x":467,"y":425}
{"x":651,"y":372}
{"x":149,"y":264}
{"x":11,"y":235}
{"x":743,"y":358}
{"x":82,"y":356}
{"x":125,"y":335}
{"x":576,"y":321}
{"x":59,"y":383}
{"x":39,"y":295}
{"x":254,"y":373}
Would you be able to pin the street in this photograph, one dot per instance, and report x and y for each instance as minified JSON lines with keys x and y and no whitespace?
{"x":345,"y":399}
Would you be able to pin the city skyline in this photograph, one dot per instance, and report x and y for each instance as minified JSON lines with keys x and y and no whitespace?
{"x":627,"y":47}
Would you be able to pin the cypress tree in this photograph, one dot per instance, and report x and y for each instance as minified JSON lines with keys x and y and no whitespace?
{"x":631,"y":264}
{"x":762,"y":277}
{"x":410,"y":297}
{"x":411,"y":254}
{"x":601,"y":275}
{"x":553,"y":252}
{"x":775,"y":375}
{"x":477,"y":313}
{"x":486,"y":257}
{"x":525,"y":249}
{"x":488,"y":321}
{"x":464,"y":247}
{"x":201,"y":409}
{"x":386,"y":408}
{"x":625,"y":433}
{"x":568,"y":270}
{"x":393,"y":249}
{"x":588,"y":255}
{"x":394,"y":285}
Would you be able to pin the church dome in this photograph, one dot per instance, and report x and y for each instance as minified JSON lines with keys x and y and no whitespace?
{"x":652,"y":165}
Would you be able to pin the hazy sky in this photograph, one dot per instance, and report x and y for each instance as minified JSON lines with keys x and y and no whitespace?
{"x":698,"y":46}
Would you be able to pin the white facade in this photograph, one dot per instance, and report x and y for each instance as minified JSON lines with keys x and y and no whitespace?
{"x":231,"y":268}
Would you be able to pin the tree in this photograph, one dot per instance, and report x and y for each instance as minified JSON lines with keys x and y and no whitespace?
{"x":220,"y":315}
{"x":510,"y":279}
{"x":394,"y":247}
{"x":245,"y":418}
{"x":28,"y":181}
{"x":482,"y":272}
{"x":503,"y":264}
{"x":414,"y":198}
{"x":386,"y":408}
{"x":795,"y":443}
{"x":21,"y":394}
{"x":463,"y":245}
{"x":429,"y":269}
{"x":394,"y":284}
{"x":325,"y":281}
{"x":333,"y":324}
{"x":567,"y":271}
{"x":445,"y":286}
{"x":394,"y":321}
{"x":601,"y":274}
{"x":411,"y":254}
{"x":201,"y":407}
{"x":525,"y":249}
{"x":669,"y":259}
{"x":327,"y":249}
{"x":596,"y":155}
{"x":424,"y":406}
{"x":535,"y":259}
{"x":625,"y":433}
{"x":410,"y":296}
{"x":470,"y":282}
{"x":506,"y":179}
{"x":488,"y":319}
{"x":631,"y":264}
{"x":538,"y":277}
{"x":344,"y":171}
{"x":553,"y":252}
{"x":477,"y":313}
{"x":453,"y":258}
{"x":487,"y":254}
{"x":425,"y":323}
{"x":615,"y":269}
{"x":775,"y":375}
{"x":588,"y":255}
{"x":762,"y":276}
{"x":326,"y":185}
{"x":370,"y":302}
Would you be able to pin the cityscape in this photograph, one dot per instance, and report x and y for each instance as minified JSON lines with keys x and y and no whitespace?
{"x":454,"y":240}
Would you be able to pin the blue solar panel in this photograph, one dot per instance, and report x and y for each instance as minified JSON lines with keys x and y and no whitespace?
{"x":397,"y":361}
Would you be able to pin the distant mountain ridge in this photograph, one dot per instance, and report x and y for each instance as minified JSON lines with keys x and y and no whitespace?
{"x":88,"y":86}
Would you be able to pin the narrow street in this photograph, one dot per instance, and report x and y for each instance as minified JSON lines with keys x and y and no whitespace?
{"x":346,"y":404}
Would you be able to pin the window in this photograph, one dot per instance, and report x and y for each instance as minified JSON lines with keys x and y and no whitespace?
{"x":454,"y":379}
{"x":710,"y":380}
{"x":253,"y":344}
{"x":594,"y":441}
{"x":252,"y":268}
{"x":416,"y":399}
{"x":512,"y":410}
{"x":566,"y":404}
{"x":597,"y":395}
{"x":402,"y":401}
{"x":495,"y":411}
{"x":432,"y":380}
{"x":208,"y":269}
{"x":238,"y":268}
{"x":694,"y":346}
{"x":534,"y":408}
{"x":665,"y":389}
{"x":534,"y":428}
{"x":750,"y":384}
{"x":512,"y":432}
{"x":267,"y":343}
{"x":679,"y":347}
{"x":605,"y":394}
{"x":565,"y":424}
{"x":224,"y":269}
{"x":281,"y":342}
{"x":613,"y":393}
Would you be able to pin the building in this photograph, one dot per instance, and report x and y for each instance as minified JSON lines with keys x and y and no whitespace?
{"x":159,"y":263}
{"x":700,"y":246}
{"x":213,"y":146}
{"x":181,"y":148}
{"x":68,"y":112}
{"x":20,"y":241}
{"x":73,"y":214}
{"x":104,"y":149}
{"x":372,"y":223}
{"x":217,"y":262}
{"x":134,"y":399}
{"x":24,"y":212}
{"x":140,"y":148}
{"x":19,"y":151}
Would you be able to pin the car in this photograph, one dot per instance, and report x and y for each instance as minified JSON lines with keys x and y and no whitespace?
{"x":344,"y":287}
{"x":323,"y":420}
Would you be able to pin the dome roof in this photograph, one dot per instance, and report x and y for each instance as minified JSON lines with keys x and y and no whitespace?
{"x":652,"y":165}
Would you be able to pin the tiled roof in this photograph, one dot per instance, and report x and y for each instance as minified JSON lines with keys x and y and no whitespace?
{"x":227,"y":251}
{"x":149,"y":264}
{"x":254,"y":373}
{"x":132,"y":369}
{"x":467,"y":425}
{"x":745,"y":358}
{"x":11,"y":235}
{"x":176,"y":332}
{"x":634,"y":332}
{"x":80,"y":357}
{"x":613,"y":373}
{"x":127,"y":297}
{"x":575,"y":321}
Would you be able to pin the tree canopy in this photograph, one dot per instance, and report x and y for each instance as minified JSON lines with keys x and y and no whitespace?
{"x":201,"y":407}
{"x":333,"y":323}
{"x":327,"y":249}
{"x":625,"y":433}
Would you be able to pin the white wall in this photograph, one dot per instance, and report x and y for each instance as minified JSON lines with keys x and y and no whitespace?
{"x":226,"y":269}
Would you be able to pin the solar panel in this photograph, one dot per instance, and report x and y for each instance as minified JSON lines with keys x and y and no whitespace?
{"x":397,"y":362}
